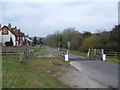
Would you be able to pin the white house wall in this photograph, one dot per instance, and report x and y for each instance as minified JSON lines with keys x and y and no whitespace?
{"x":0,"y":37}
{"x":5,"y":38}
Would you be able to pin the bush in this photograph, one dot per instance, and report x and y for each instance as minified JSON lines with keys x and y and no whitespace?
{"x":8,"y":44}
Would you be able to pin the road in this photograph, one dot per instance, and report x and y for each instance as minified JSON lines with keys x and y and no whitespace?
{"x":102,"y":72}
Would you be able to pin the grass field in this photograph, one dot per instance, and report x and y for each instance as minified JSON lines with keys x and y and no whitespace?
{"x":33,"y":73}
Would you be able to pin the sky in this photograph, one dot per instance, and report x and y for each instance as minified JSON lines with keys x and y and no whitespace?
{"x":44,"y":18}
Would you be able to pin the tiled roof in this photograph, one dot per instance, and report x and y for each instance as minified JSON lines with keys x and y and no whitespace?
{"x":15,"y":31}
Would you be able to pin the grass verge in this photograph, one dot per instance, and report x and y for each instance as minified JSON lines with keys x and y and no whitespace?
{"x":33,"y":73}
{"x":78,"y":52}
{"x":113,"y":59}
{"x":42,"y":47}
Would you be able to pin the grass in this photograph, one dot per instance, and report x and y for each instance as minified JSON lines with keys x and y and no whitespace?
{"x":33,"y":73}
{"x":42,"y":47}
{"x":78,"y":52}
{"x":113,"y":59}
{"x":41,"y":53}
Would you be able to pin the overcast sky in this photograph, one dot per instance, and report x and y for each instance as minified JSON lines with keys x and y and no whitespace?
{"x":41,"y":18}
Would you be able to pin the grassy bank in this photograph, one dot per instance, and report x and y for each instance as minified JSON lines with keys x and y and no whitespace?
{"x":33,"y":73}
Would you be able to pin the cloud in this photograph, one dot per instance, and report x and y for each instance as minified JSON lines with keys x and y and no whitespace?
{"x":60,"y":0}
{"x":42,"y":19}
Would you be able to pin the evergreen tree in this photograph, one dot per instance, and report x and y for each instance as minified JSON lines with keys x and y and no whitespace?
{"x":35,"y":41}
{"x":11,"y":42}
{"x":40,"y":41}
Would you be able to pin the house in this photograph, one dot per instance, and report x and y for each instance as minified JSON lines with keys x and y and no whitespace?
{"x":8,"y":32}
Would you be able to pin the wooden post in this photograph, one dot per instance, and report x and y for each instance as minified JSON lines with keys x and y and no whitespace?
{"x":115,"y":54}
{"x":89,"y":52}
{"x":102,"y":52}
{"x":21,"y":57}
{"x":94,"y":52}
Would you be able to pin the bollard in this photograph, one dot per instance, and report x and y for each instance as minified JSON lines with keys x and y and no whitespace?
{"x":104,"y":57}
{"x":88,"y":54}
{"x":66,"y":57}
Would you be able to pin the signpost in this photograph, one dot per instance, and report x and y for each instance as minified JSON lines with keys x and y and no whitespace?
{"x":68,"y":45}
{"x":58,"y":49}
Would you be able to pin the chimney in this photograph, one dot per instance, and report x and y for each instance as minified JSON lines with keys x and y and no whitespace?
{"x":9,"y":26}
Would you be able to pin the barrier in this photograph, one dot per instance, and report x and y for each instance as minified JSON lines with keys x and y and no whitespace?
{"x":96,"y":53}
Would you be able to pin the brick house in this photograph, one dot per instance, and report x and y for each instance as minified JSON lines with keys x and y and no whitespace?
{"x":18,"y":37}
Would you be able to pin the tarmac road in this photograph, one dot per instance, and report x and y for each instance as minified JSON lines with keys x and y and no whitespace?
{"x":102,"y":72}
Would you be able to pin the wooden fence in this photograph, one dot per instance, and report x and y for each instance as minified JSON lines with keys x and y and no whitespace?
{"x":98,"y":53}
{"x":113,"y":54}
{"x":95,"y":53}
{"x":62,"y":53}
{"x":22,"y":51}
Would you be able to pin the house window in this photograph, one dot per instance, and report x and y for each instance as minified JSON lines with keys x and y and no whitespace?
{"x":4,"y":31}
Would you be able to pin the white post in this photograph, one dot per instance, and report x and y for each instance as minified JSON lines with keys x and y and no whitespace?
{"x":104,"y":57}
{"x":94,"y":52}
{"x":66,"y":56}
{"x":88,"y":54}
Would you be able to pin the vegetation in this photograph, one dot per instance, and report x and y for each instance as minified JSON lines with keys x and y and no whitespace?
{"x":35,"y":41}
{"x":113,"y":59}
{"x":42,"y":47}
{"x":78,"y":52}
{"x":9,"y":43}
{"x":107,"y":40}
{"x":33,"y":73}
{"x":40,"y":41}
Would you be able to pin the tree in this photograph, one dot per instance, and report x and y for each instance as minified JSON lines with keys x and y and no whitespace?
{"x":68,"y":34}
{"x":11,"y":42}
{"x":86,"y":34}
{"x":40,"y":41}
{"x":35,"y":41}
{"x":91,"y":42}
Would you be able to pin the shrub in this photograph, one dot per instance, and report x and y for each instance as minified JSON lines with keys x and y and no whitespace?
{"x":91,"y":42}
{"x":9,"y":43}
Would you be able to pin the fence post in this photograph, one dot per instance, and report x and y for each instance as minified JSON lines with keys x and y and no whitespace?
{"x":94,"y":52}
{"x":115,"y":54}
{"x":102,"y":51}
{"x":89,"y":53}
{"x":21,"y":57}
